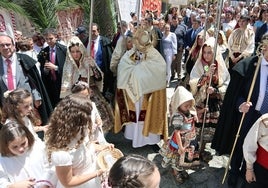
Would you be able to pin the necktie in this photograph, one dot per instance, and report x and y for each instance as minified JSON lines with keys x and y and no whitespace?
{"x":52,"y":60}
{"x":92,"y":49}
{"x":193,"y":35}
{"x":264,"y":106}
{"x":10,"y":82}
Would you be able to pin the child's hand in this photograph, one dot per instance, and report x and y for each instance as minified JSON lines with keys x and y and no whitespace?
{"x":45,"y":128}
{"x":188,"y":120}
{"x":110,"y":146}
{"x":98,"y":122}
{"x":181,"y":150}
{"x":100,"y":147}
{"x":196,"y":118}
{"x":26,"y":183}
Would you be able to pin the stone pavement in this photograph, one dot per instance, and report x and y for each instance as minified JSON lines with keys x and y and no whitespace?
{"x":210,"y":176}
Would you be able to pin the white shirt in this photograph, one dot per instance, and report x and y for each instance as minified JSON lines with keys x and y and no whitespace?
{"x":96,"y":45}
{"x":258,"y":134}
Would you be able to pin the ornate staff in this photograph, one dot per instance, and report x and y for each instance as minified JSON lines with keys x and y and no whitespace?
{"x":210,"y":76}
{"x":91,"y":2}
{"x":138,"y":7}
{"x":243,"y":115}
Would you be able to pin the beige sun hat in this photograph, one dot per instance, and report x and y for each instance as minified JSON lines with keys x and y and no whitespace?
{"x":180,"y":96}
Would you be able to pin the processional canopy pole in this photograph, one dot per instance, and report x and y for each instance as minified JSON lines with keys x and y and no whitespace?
{"x":206,"y":27}
{"x":91,"y":2}
{"x":119,"y":16}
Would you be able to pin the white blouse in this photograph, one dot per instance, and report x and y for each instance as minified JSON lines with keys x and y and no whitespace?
{"x":32,"y":164}
{"x":258,"y":134}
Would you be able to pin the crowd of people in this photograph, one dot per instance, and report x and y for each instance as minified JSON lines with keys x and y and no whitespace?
{"x":58,"y":101}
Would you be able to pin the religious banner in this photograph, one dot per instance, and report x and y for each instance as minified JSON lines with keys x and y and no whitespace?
{"x":126,"y":7}
{"x":69,"y":19}
{"x":7,"y":23}
{"x":151,"y":5}
{"x":177,"y":3}
{"x":139,"y":7}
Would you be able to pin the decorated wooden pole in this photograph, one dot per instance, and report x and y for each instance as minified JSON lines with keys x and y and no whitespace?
{"x":91,"y":2}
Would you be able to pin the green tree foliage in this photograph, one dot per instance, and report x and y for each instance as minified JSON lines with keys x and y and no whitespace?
{"x":43,"y":12}
{"x":9,"y":5}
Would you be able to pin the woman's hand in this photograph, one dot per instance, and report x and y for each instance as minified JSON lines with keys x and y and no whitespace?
{"x":211,"y":69}
{"x":210,"y":90}
{"x":92,"y":62}
{"x":250,"y":175}
{"x":244,"y":107}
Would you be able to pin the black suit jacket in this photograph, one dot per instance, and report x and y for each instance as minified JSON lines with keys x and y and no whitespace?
{"x":22,"y":80}
{"x":103,"y":58}
{"x":259,"y":33}
{"x":189,"y":41}
{"x":236,"y":94}
{"x":159,"y":45}
{"x":53,"y":86}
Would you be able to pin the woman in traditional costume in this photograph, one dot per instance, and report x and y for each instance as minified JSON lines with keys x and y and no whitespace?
{"x":201,"y":86}
{"x":80,"y":67}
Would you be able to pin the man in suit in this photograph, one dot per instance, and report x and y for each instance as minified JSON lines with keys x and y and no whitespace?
{"x":52,"y":59}
{"x":235,"y":104}
{"x":122,"y":28}
{"x":191,"y":36}
{"x":19,"y":71}
{"x":180,"y":32}
{"x":155,"y":32}
{"x":101,"y":51}
{"x":261,"y":31}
